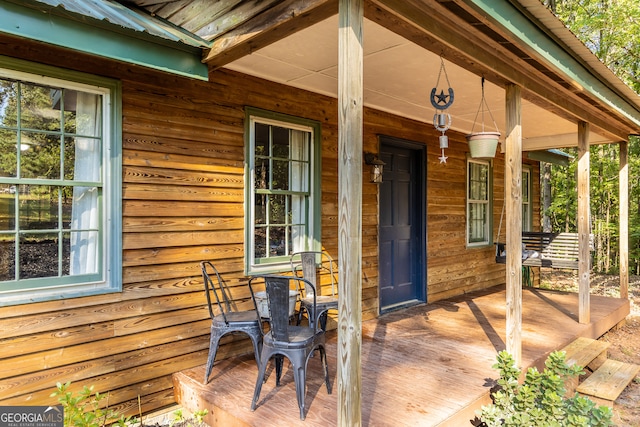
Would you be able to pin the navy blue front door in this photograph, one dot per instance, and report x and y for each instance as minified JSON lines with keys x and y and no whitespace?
{"x":402,"y":212}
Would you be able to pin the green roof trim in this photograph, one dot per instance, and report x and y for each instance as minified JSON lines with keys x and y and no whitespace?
{"x":509,"y":17}
{"x":556,"y":157}
{"x":122,"y":45}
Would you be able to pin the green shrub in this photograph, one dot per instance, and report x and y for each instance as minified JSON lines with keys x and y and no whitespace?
{"x":540,"y":400}
{"x":83,"y":408}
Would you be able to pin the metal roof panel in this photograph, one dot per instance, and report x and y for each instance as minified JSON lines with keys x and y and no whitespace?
{"x":115,"y":13}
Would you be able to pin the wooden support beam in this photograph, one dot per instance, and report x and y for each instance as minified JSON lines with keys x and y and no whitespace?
{"x":513,"y":202}
{"x":278,"y":22}
{"x":623,"y":183}
{"x":350,"y":134}
{"x":584,"y":226}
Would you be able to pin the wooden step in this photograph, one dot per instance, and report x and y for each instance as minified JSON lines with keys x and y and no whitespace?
{"x":586,"y":352}
{"x":608,"y":381}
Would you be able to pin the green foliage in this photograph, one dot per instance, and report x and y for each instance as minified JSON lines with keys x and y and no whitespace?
{"x":611,"y":29}
{"x":86,"y":409}
{"x":540,"y":400}
{"x":83,"y":409}
{"x":179,"y":419}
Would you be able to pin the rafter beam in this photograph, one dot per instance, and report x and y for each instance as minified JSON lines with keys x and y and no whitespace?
{"x":276,"y":23}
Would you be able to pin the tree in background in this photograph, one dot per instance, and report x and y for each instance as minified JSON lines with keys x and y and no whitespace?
{"x":611,"y":30}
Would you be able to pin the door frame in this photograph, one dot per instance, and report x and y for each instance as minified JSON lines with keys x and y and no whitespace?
{"x":420,"y":149}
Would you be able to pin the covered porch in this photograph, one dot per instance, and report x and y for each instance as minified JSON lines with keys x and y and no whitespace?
{"x":427,"y":365}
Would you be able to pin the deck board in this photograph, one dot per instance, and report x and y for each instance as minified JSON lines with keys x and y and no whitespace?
{"x":427,"y":365}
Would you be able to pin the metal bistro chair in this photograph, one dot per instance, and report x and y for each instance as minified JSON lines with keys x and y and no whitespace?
{"x":296,"y":343}
{"x":309,"y":264}
{"x":228,"y":318}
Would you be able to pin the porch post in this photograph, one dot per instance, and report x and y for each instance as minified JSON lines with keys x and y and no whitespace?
{"x":623,"y":182}
{"x":513,"y":202}
{"x":584,"y":229}
{"x":350,"y":131}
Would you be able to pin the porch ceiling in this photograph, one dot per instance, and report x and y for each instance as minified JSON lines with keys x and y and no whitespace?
{"x":398,"y":78}
{"x":284,"y":42}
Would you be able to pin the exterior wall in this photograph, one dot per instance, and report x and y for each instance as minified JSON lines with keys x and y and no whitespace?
{"x":183,"y":191}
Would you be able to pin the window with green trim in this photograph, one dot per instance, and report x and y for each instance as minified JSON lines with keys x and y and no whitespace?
{"x":59,"y":183}
{"x":284,"y":189}
{"x":478,"y":202}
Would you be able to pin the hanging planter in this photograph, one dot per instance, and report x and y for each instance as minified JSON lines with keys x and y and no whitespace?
{"x":483,"y":144}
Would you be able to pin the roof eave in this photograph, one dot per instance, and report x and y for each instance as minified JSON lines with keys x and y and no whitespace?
{"x":106,"y":40}
{"x":602,"y":86}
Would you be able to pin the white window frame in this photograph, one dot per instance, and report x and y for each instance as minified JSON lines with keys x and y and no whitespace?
{"x":311,"y":238}
{"x":487,"y":203}
{"x":108,"y":277}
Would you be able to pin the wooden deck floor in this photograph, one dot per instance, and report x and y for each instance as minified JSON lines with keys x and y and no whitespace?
{"x":428,"y":365}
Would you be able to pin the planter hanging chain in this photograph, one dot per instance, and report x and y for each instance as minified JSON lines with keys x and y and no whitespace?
{"x":483,"y":103}
{"x":483,"y":144}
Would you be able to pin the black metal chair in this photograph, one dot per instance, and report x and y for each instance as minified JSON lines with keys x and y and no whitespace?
{"x":296,"y":343}
{"x":308,"y":265}
{"x":226,"y":317}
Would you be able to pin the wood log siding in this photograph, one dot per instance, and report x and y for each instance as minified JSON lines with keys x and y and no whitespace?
{"x":183,"y":202}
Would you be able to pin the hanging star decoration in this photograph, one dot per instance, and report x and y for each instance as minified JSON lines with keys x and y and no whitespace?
{"x":441,"y":101}
{"x":443,"y":158}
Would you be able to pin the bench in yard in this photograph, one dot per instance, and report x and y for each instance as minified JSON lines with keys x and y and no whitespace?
{"x":554,"y":250}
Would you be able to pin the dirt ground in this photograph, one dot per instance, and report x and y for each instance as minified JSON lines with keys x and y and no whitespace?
{"x":625,"y":340}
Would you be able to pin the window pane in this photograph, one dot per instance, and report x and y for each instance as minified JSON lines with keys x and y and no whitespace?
{"x":298,"y":235}
{"x":299,"y":176}
{"x":262,"y":140}
{"x":67,"y":206}
{"x":38,"y":207}
{"x":280,"y":137}
{"x":8,"y":103}
{"x":82,"y":113}
{"x":8,"y":153}
{"x":280,"y":177}
{"x":7,"y":207}
{"x":260,"y":211}
{"x":478,"y":181}
{"x":69,"y":157}
{"x":7,"y":258}
{"x":40,"y":155}
{"x":477,"y":223}
{"x":83,"y":247}
{"x":277,"y":209}
{"x":85,"y":163}
{"x":39,"y":107}
{"x":277,"y":241}
{"x":262,"y":174}
{"x":298,"y":209}
{"x":38,"y":255}
{"x":260,"y":242}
